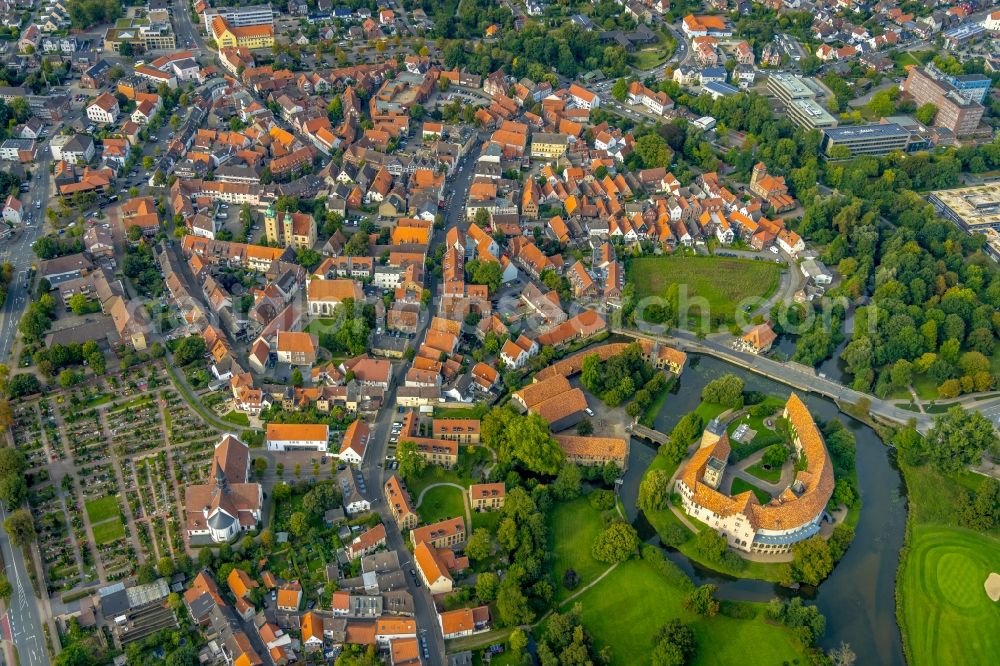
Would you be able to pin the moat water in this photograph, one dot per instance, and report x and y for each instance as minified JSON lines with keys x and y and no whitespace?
{"x":858,"y":599}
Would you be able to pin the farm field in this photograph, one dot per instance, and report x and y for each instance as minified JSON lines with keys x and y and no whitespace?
{"x":724,"y":283}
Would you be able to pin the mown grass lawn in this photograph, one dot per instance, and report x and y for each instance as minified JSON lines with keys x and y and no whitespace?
{"x":626,"y":608}
{"x":944,"y":613}
{"x":469,"y":457}
{"x":108,"y":532}
{"x":488,"y":520}
{"x":239,"y":418}
{"x":99,"y":510}
{"x":440,"y":503}
{"x":573,"y":526}
{"x":772,"y":475}
{"x":723,"y":283}
{"x":741,"y":486}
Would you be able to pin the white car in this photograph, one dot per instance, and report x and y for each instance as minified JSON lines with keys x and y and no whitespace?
{"x":589,"y":411}
{"x":774,"y":249}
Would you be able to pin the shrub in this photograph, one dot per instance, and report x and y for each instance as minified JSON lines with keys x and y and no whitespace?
{"x":601,"y":500}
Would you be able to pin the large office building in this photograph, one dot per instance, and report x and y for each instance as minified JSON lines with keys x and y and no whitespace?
{"x":152,"y":32}
{"x":875,"y":139}
{"x":240,"y":17}
{"x":975,"y":209}
{"x":955,"y":111}
{"x":800,"y":102}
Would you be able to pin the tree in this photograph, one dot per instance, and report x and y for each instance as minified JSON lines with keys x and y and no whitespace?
{"x":479,"y":545}
{"x":958,"y":438}
{"x":411,"y":463}
{"x":308,"y":258}
{"x":710,"y":546}
{"x":616,"y":543}
{"x":981,"y":510}
{"x":672,"y":640}
{"x":925,"y":113}
{"x":11,"y":462}
{"x":20,"y":527}
{"x":259,"y":466}
{"x":5,"y":588}
{"x":13,"y":490}
{"x":322,"y":497}
{"x":653,"y":151}
{"x":702,"y":600}
{"x":567,"y":483}
{"x":667,"y":654}
{"x":775,"y":455}
{"x":487,"y":584}
{"x":812,"y":561}
{"x":298,"y":524}
{"x":654,"y":491}
{"x":620,"y":90}
{"x":297,"y":379}
{"x":189,"y":349}
{"x":522,"y":440}
{"x":842,"y":655}
{"x":6,"y":415}
{"x":727,"y":391}
{"x":901,"y":373}
{"x":489,"y":273}
{"x":165,"y":567}
{"x":80,"y":304}
{"x":518,"y":641}
{"x":512,"y":604}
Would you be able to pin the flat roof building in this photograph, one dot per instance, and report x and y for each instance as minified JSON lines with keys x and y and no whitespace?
{"x":800,"y":101}
{"x":975,"y":209}
{"x":875,"y":139}
{"x":239,"y":17}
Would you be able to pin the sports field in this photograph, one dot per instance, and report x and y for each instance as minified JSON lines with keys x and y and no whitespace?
{"x":946,"y":614}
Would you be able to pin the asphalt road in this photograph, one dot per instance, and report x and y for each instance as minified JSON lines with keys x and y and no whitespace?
{"x":19,"y":253}
{"x":184,"y":30}
{"x":22,"y":624}
{"x":372,"y":468}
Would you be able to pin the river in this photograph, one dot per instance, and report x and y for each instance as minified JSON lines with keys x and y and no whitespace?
{"x":858,"y":599}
